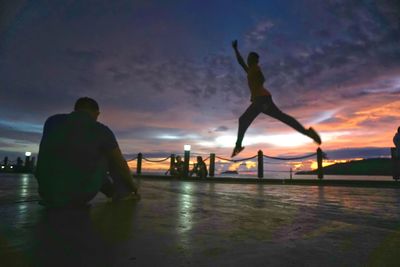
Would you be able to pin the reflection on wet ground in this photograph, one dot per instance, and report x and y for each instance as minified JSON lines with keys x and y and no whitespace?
{"x":201,"y":224}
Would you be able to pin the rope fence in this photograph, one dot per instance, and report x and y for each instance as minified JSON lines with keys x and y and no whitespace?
{"x":236,"y":160}
{"x":212,"y":161}
{"x":292,"y":158}
{"x":132,"y":159}
{"x":161,"y":160}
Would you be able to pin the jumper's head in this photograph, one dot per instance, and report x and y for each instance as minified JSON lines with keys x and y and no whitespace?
{"x":252,"y":58}
{"x":87,"y":105}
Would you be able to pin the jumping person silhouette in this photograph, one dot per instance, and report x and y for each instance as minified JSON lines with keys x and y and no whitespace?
{"x":261,"y":101}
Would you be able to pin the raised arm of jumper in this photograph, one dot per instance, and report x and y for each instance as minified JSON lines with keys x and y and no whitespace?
{"x":239,"y":57}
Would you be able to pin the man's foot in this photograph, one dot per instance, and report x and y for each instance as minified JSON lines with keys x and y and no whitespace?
{"x":314,"y":135}
{"x":236,"y":151}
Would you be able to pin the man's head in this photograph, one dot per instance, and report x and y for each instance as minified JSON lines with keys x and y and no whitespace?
{"x":252,"y":58}
{"x":398,"y":130}
{"x":87,"y":105}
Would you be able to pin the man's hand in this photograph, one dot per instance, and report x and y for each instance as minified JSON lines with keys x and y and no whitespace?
{"x":238,"y":56}
{"x":235,"y":44}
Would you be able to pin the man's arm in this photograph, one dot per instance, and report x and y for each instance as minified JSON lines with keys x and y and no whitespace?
{"x":121,"y":168}
{"x":239,"y":57}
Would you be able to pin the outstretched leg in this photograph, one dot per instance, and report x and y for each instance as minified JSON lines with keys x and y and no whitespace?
{"x":272,"y":110}
{"x":244,"y":122}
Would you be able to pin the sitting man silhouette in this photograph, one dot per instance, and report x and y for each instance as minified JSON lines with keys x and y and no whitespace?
{"x":178,"y":168}
{"x":200,"y":168}
{"x":78,"y":157}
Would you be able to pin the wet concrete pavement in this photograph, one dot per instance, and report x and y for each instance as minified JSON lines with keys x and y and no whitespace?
{"x":180,"y":223}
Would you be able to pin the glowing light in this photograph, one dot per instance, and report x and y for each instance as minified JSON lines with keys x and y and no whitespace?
{"x":225,"y":141}
{"x":314,"y":164}
{"x":177,"y":137}
{"x":234,"y":166}
{"x":2,"y":167}
{"x":28,"y":154}
{"x":298,"y":166}
{"x":186,"y":208}
{"x":186,"y":147}
{"x":250,"y":165}
{"x":206,"y":144}
{"x":278,"y":140}
{"x":11,"y":167}
{"x":323,"y":116}
{"x":169,"y":137}
{"x":284,"y":140}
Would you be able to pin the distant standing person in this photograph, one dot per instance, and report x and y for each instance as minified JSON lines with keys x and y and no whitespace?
{"x":78,"y":157}
{"x":261,"y":101}
{"x":396,"y":141}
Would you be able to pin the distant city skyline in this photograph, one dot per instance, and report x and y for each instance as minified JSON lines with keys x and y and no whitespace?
{"x":165,"y":75}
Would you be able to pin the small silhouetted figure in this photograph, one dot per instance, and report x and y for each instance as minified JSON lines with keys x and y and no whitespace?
{"x":396,"y":141}
{"x":78,"y":157}
{"x":396,"y":155}
{"x":261,"y":102}
{"x":178,"y":168}
{"x":5,"y":161}
{"x":200,"y":168}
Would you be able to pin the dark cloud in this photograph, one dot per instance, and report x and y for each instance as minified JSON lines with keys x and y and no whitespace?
{"x":20,"y":136}
{"x":375,"y":122}
{"x":221,"y":128}
{"x":365,"y":41}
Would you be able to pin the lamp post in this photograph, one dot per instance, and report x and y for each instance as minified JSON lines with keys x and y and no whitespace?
{"x":27,"y":160}
{"x":186,"y":149}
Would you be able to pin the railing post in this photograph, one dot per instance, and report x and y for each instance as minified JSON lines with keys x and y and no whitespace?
{"x":186,"y":163}
{"x":320,"y":156}
{"x":260,"y":156}
{"x":171,"y":164}
{"x":212,"y":164}
{"x":139,"y":164}
{"x":395,"y":163}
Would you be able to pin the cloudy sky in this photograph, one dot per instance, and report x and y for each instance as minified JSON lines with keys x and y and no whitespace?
{"x":164,"y":72}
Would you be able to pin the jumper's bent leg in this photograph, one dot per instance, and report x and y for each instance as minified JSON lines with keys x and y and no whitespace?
{"x":273,"y":111}
{"x":276,"y":113}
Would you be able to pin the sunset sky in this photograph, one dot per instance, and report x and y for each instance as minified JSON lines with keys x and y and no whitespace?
{"x":165,"y":75}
